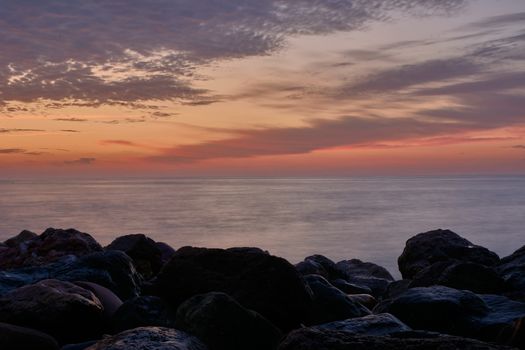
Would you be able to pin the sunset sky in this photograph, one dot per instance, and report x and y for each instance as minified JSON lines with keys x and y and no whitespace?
{"x":262,"y":87}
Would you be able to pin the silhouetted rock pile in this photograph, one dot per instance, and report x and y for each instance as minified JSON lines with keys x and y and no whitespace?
{"x":62,"y":290}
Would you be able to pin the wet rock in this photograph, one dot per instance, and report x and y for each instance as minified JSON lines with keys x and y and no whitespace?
{"x":145,"y":253}
{"x":436,"y":308}
{"x":266,"y":284}
{"x":376,"y":325}
{"x":112,"y":269}
{"x":64,"y":310}
{"x":22,"y":237}
{"x":150,"y":338}
{"x":141,"y":312}
{"x":460,"y":275}
{"x":109,"y":300}
{"x":431,"y":247}
{"x":315,"y":339}
{"x":365,"y":274}
{"x":15,"y":337}
{"x":512,"y":270}
{"x":49,"y":246}
{"x":223,"y":324}
{"x":350,"y":288}
{"x":166,"y":251}
{"x":330,"y":304}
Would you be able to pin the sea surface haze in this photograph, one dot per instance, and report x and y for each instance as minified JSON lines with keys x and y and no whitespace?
{"x":342,"y":218}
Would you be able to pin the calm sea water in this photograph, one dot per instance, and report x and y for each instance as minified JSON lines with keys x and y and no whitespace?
{"x":342,"y":218}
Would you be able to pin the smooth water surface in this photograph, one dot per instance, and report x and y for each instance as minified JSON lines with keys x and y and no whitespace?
{"x":342,"y":218}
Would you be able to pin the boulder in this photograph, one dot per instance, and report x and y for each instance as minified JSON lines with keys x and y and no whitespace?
{"x":376,"y":325}
{"x":112,"y":269}
{"x":315,"y":339}
{"x":350,"y":288}
{"x":318,"y":265}
{"x":22,"y":237}
{"x":512,"y":270}
{"x":264,"y":283}
{"x":431,"y":247}
{"x":15,"y":337}
{"x":166,"y":251}
{"x":366,"y":300}
{"x":79,"y":346}
{"x":109,"y":300}
{"x":141,"y":312}
{"x":143,"y":250}
{"x":223,"y":324}
{"x":330,"y":304}
{"x":460,"y":275}
{"x":365,"y":274}
{"x":64,"y":310}
{"x":149,"y":338}
{"x":48,"y":247}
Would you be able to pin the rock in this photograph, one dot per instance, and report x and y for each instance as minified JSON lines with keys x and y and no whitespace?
{"x":396,"y":288}
{"x":459,"y":312}
{"x":112,"y":269}
{"x":330,"y":304}
{"x":223,"y":324}
{"x":166,"y":251}
{"x":15,"y":337}
{"x":49,"y":246}
{"x":79,"y":346}
{"x":350,"y":288}
{"x":266,"y":284}
{"x":64,"y":310}
{"x":512,"y":270}
{"x":253,"y":250}
{"x":436,"y":308}
{"x":143,"y":250}
{"x":150,"y":338}
{"x":366,"y":300}
{"x":376,"y":325}
{"x":460,"y":275}
{"x":431,"y":247}
{"x":109,"y":300}
{"x":365,"y":274}
{"x":315,"y":339}
{"x":141,"y":312}
{"x":22,"y":237}
{"x":318,"y":265}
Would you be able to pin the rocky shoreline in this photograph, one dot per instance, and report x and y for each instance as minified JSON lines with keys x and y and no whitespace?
{"x":63,"y":290}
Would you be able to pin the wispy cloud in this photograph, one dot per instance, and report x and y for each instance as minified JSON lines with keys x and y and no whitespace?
{"x":80,"y":161}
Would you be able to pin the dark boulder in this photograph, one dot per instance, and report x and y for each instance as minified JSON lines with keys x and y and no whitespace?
{"x":149,"y":338}
{"x":431,"y":247}
{"x":64,"y":310}
{"x":21,"y":338}
{"x":143,"y":250}
{"x":315,"y":339}
{"x":112,"y":269}
{"x":143,"y":311}
{"x":330,"y":304}
{"x":365,"y":274}
{"x":460,"y":275}
{"x":48,"y":247}
{"x":166,"y":251}
{"x":109,"y":300}
{"x":512,"y":270}
{"x":223,"y":324}
{"x":318,"y":265}
{"x":264,"y":283}
{"x":350,"y":288}
{"x":376,"y":325}
{"x":22,"y":237}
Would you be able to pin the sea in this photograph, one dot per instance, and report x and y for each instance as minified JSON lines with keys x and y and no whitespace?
{"x":368,"y":218}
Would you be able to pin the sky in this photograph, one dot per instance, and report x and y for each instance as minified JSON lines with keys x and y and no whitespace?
{"x":262,"y":87}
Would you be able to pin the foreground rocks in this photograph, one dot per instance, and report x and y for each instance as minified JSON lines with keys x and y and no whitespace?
{"x":61,"y":289}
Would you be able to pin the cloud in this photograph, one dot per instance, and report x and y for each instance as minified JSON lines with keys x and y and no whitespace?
{"x":19,"y":151}
{"x":519,"y":146}
{"x":17,"y":130}
{"x":79,"y":120}
{"x":131,"y":51}
{"x":80,"y":161}
{"x":69,"y":130}
{"x":120,"y":143}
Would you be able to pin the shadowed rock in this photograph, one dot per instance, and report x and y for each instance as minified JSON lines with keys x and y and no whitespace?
{"x":143,"y":250}
{"x":512,"y":270}
{"x":141,"y":312}
{"x":22,"y":237}
{"x":330,"y":304}
{"x":223,"y":324}
{"x":15,"y":337}
{"x":365,"y":274}
{"x":149,"y":338}
{"x":166,"y":251}
{"x":264,"y":283}
{"x":318,"y":265}
{"x":62,"y":309}
{"x":376,"y":325}
{"x":49,"y":246}
{"x":431,"y":247}
{"x":314,"y":339}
